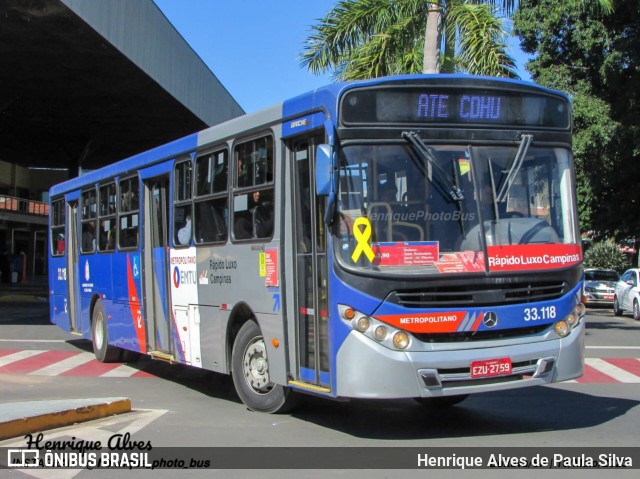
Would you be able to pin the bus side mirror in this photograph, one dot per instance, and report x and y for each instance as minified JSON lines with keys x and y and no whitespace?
{"x":323,"y":169}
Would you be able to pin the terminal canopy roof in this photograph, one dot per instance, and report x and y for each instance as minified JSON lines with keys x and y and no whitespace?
{"x":86,"y":83}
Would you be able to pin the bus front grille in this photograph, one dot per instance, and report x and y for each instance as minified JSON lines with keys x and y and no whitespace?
{"x":463,"y":336}
{"x":479,"y":294}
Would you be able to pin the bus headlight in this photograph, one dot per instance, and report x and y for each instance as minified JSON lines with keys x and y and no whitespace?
{"x":401,"y":340}
{"x":375,"y":329}
{"x":562,"y":328}
{"x":362,"y":324}
{"x":380,"y":333}
{"x":572,"y":319}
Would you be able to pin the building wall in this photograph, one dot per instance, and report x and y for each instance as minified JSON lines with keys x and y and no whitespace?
{"x":21,"y":182}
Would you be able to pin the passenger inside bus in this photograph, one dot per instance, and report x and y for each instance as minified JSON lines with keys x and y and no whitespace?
{"x":88,"y":237}
{"x":60,"y":245}
{"x":111,"y":239}
{"x":262,"y":215}
{"x":107,"y":237}
{"x":257,"y":222}
{"x":184,"y":233}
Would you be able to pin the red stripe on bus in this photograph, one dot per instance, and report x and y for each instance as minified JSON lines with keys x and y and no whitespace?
{"x":477,"y":323}
{"x":135,"y":307}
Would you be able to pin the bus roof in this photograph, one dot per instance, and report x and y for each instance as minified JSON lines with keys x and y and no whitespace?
{"x":323,"y":99}
{"x":125,"y":166}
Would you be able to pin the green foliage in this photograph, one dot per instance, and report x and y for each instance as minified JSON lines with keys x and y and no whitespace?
{"x":593,"y":55}
{"x":361,"y":39}
{"x":605,"y":254}
{"x":481,"y":42}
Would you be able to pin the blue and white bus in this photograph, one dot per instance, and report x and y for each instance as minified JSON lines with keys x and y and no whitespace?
{"x":402,"y":237}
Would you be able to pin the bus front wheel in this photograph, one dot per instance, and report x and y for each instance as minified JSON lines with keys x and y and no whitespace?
{"x":104,"y":352}
{"x":250,"y":372}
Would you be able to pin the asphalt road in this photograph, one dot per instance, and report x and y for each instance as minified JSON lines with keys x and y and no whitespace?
{"x":176,"y":406}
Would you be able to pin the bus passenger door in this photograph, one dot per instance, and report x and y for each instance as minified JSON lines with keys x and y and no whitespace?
{"x":72,"y":264}
{"x":311,"y":268}
{"x":155,"y":247}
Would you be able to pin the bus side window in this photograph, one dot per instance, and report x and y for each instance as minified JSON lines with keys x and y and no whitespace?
{"x":107,"y":235}
{"x":253,"y":198}
{"x":128,"y":216}
{"x":183,"y":220}
{"x":107,"y":218}
{"x":211,"y":221}
{"x":182,"y":214}
{"x":88,"y":217}
{"x":211,"y":205}
{"x":57,"y":228}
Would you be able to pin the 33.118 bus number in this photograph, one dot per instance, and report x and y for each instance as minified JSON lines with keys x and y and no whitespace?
{"x":536,"y":314}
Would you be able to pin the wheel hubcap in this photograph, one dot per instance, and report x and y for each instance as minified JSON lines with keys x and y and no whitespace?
{"x":256,"y":367}
{"x":98,"y":336}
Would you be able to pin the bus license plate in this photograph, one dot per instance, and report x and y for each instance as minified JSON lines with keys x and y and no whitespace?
{"x":490,"y":367}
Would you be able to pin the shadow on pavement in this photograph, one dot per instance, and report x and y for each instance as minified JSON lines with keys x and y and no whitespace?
{"x":539,"y":409}
{"x":526,"y":410}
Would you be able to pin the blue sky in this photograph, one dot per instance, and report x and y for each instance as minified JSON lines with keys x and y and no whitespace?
{"x":253,"y":46}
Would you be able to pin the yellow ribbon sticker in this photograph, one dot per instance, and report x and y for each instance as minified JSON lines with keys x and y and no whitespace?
{"x":362,"y":236}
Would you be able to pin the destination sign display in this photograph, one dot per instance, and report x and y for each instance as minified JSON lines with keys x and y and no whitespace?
{"x":448,"y":105}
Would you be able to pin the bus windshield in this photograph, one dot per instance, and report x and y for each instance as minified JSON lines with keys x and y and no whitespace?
{"x":423,"y":208}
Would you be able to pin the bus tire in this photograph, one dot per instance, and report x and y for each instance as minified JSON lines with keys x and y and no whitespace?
{"x":105,"y":353}
{"x":442,"y":402}
{"x":250,"y":372}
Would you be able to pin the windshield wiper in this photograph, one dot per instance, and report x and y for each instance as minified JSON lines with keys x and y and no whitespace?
{"x":515,"y":167}
{"x":443,"y":180}
{"x":494,"y":200}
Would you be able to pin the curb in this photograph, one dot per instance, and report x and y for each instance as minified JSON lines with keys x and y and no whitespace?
{"x":24,"y":298}
{"x":19,"y":419}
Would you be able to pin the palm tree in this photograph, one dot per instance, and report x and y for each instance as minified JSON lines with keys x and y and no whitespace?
{"x":371,"y":38}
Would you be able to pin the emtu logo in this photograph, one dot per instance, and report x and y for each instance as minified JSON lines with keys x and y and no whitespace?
{"x":176,"y":277}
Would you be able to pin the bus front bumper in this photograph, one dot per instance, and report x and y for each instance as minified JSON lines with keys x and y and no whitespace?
{"x":369,"y":370}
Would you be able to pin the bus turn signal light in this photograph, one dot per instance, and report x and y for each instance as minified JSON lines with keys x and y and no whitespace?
{"x":349,"y":314}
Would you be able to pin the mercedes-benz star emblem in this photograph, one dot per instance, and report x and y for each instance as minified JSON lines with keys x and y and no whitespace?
{"x":490,"y":319}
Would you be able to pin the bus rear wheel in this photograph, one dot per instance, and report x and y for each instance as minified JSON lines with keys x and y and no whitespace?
{"x":105,"y":353}
{"x":250,"y":372}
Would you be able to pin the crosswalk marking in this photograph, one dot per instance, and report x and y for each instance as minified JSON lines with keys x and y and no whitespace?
{"x":122,"y":371}
{"x":39,"y":362}
{"x":63,"y":366}
{"x":611,"y":370}
{"x":19,"y":355}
